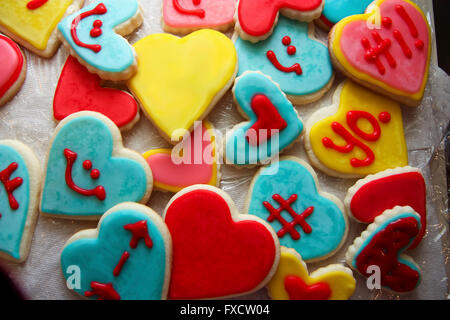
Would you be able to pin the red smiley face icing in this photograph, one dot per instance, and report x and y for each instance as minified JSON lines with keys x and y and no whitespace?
{"x":213,"y":255}
{"x":12,"y":64}
{"x":80,"y":90}
{"x":261,"y":23}
{"x":403,"y":189}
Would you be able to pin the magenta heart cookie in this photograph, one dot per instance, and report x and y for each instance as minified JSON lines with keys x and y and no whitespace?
{"x":12,"y":69}
{"x":386,"y":49}
{"x":80,"y":90}
{"x":184,"y":16}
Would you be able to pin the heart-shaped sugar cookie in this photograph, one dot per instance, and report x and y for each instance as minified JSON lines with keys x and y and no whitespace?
{"x":292,"y":281}
{"x":181,"y":79}
{"x":360,"y":134}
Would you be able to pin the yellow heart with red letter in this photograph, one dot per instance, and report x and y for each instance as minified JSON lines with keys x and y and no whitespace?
{"x":292,"y":281}
{"x":180,"y":79}
{"x":33,"y":22}
{"x":360,"y":134}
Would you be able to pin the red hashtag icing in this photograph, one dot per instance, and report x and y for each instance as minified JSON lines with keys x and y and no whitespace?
{"x":269,"y":120}
{"x":404,"y":15}
{"x":382,"y":48}
{"x":102,"y":291}
{"x":139,"y":231}
{"x":297,"y":219}
{"x":383,"y":251}
{"x":11,"y":185}
{"x":351,"y":141}
{"x":297,"y":289}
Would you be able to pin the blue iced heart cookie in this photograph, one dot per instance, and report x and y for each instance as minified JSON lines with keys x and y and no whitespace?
{"x":89,"y":171}
{"x":298,"y":63}
{"x":90,"y":34}
{"x":286,"y":194}
{"x":127,"y":257}
{"x":19,"y":184}
{"x":336,"y":10}
{"x":267,"y":108}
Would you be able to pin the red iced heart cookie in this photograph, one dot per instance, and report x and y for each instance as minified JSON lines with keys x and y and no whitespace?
{"x":371,"y":196}
{"x":11,"y":69}
{"x":80,"y":90}
{"x":216,"y":251}
{"x":259,"y":26}
{"x":391,"y":58}
{"x":299,"y":290}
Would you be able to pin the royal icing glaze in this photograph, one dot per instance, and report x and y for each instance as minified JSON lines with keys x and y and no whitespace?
{"x":12,"y":64}
{"x":33,"y":22}
{"x":293,"y":282}
{"x":91,"y":36}
{"x":74,"y":188}
{"x":371,"y":196}
{"x":301,"y":66}
{"x":267,"y":109}
{"x":261,"y":24}
{"x":286,"y":194}
{"x":19,"y":182}
{"x":197,"y":165}
{"x":216,"y":251}
{"x":112,"y":267}
{"x":393,"y":57}
{"x":383,"y":244}
{"x":336,"y":10}
{"x":360,"y":134}
{"x":202,"y":67}
{"x":197,"y":14}
{"x":80,"y":90}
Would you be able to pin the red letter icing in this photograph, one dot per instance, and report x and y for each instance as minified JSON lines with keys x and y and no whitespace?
{"x":139,"y":231}
{"x":383,"y":251}
{"x":403,"y":189}
{"x":297,"y":289}
{"x":11,"y":185}
{"x":214,"y":256}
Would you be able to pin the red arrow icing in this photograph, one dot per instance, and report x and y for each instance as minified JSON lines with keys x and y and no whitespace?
{"x":139,"y":231}
{"x":104,"y":291}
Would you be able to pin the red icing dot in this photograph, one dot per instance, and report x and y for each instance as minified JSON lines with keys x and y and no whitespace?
{"x":96,"y":31}
{"x":386,"y":22}
{"x":87,"y":164}
{"x":384,"y":117}
{"x":286,"y":40}
{"x":419,"y":44}
{"x":95,"y":174}
{"x":291,"y":50}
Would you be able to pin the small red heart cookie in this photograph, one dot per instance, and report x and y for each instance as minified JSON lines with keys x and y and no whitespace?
{"x":216,"y":251}
{"x":12,"y":69}
{"x":387,"y":49}
{"x":80,"y":90}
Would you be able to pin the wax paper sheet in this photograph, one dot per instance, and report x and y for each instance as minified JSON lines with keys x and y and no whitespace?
{"x":28,"y":117}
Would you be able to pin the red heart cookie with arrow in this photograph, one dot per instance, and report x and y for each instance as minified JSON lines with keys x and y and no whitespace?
{"x":80,"y":90}
{"x":217,"y":252}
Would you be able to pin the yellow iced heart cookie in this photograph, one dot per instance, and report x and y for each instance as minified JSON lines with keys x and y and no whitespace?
{"x":360,"y":134}
{"x":32,"y":23}
{"x":292,"y":281}
{"x":179,"y":80}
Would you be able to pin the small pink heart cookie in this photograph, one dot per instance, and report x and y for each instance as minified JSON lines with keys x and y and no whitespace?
{"x":185,"y":16}
{"x":12,"y":69}
{"x":387,"y":49}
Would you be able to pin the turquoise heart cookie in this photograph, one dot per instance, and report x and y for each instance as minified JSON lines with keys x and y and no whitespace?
{"x":89,"y":171}
{"x":267,"y":108}
{"x":127,"y":257}
{"x":286,"y":194}
{"x":19,"y":188}
{"x":300,"y":64}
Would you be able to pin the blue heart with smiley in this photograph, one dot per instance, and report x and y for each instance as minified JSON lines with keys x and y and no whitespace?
{"x":89,"y":171}
{"x":286,"y":194}
{"x":127,"y":257}
{"x":90,"y":34}
{"x":290,"y":44}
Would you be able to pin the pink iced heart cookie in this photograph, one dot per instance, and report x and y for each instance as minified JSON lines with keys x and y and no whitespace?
{"x":198,"y":163}
{"x":386,"y":49}
{"x":185,"y":16}
{"x":12,"y":69}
